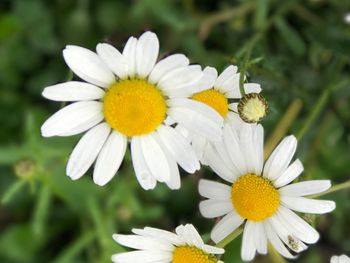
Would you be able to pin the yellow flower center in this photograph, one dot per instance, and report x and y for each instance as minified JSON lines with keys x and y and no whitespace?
{"x":134,"y":107}
{"x":187,"y":254}
{"x":254,"y":197}
{"x":214,"y":99}
{"x":252,"y":107}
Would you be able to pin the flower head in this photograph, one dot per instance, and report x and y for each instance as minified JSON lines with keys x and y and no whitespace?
{"x":156,"y":245}
{"x":259,"y":194}
{"x":128,"y":96}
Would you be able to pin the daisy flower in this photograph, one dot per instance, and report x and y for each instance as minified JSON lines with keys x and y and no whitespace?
{"x":259,"y":195}
{"x":222,"y":93}
{"x":159,"y":246}
{"x":127,"y":97}
{"x":340,"y":259}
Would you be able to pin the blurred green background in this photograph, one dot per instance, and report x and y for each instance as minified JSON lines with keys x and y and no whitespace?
{"x":298,"y":50}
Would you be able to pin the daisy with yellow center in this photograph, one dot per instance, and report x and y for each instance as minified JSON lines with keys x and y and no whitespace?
{"x":222,"y":94}
{"x":128,"y":96}
{"x":160,"y":246}
{"x":259,"y":194}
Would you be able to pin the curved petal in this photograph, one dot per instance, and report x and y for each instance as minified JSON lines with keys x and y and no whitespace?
{"x":196,"y":117}
{"x":73,"y":91}
{"x":224,"y":78}
{"x":226,"y":226}
{"x":292,"y":172}
{"x":73,"y":119}
{"x":215,"y":208}
{"x":167,"y":65}
{"x":214,"y":190}
{"x":113,"y":59}
{"x":129,"y":53}
{"x":159,"y":233}
{"x":88,"y":66}
{"x":306,"y":205}
{"x":147,"y":50}
{"x":142,"y":242}
{"x":86,"y":151}
{"x":179,"y":148}
{"x":252,"y":88}
{"x":248,"y":249}
{"x":280,"y":158}
{"x":305,"y":188}
{"x":144,"y":256}
{"x":110,"y":158}
{"x":143,"y":173}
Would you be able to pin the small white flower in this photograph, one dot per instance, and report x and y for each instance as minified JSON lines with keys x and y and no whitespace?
{"x":218,"y":93}
{"x":159,"y":246}
{"x":260,"y":194}
{"x":129,"y":97}
{"x":340,"y":259}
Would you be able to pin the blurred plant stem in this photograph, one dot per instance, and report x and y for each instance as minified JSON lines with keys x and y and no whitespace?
{"x":227,"y":240}
{"x":283,"y":126}
{"x":14,"y":188}
{"x":334,"y":188}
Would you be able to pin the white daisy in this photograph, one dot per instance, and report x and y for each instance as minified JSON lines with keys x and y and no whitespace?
{"x":222,"y":93}
{"x":159,"y":246}
{"x":260,"y":194}
{"x":340,"y":259}
{"x":128,"y":97}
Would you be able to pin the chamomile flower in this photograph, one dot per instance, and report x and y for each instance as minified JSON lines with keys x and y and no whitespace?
{"x":340,"y":259}
{"x":159,"y":246}
{"x":259,"y":195}
{"x":128,"y":97}
{"x":222,"y":93}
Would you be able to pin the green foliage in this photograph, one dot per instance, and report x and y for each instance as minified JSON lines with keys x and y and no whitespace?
{"x":296,"y":49}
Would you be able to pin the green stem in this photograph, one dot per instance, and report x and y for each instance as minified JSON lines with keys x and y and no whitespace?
{"x":315,"y":112}
{"x":335,"y":188}
{"x":12,"y":191}
{"x":230,"y":238}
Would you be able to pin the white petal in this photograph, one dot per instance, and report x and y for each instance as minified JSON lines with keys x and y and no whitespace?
{"x":155,"y":158}
{"x":252,"y":88}
{"x":196,"y":117}
{"x":73,"y":119}
{"x":233,"y":106}
{"x":285,"y":235}
{"x":226,"y":226}
{"x":225,"y":76}
{"x":148,"y":256}
{"x":306,"y":205}
{"x":214,"y":190}
{"x":143,"y":173}
{"x":276,"y":242}
{"x":305,"y":188}
{"x":217,"y":164}
{"x":113,"y":59}
{"x":292,"y":172}
{"x":179,"y":78}
{"x":88,"y":66}
{"x":251,"y":142}
{"x":297,"y":226}
{"x":146,"y":53}
{"x":192,"y":236}
{"x":248,"y":243}
{"x":214,"y":208}
{"x":280,"y":158}
{"x":142,"y":242}
{"x":260,"y":237}
{"x":160,"y":234}
{"x":86,"y":151}
{"x":129,"y":53}
{"x":179,"y":148}
{"x":206,"y":81}
{"x":73,"y":91}
{"x":166,"y":65}
{"x":110,"y":158}
{"x":234,"y":150}
{"x":213,"y":250}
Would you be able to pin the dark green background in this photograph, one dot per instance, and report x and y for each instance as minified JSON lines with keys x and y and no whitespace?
{"x":300,"y":50}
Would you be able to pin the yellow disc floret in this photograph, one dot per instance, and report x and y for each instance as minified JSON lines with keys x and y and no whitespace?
{"x":134,"y":107}
{"x":252,"y":107}
{"x":214,"y":99}
{"x":254,"y":197}
{"x":187,"y":254}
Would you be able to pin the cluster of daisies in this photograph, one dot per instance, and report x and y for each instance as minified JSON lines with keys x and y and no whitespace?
{"x":174,"y":113}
